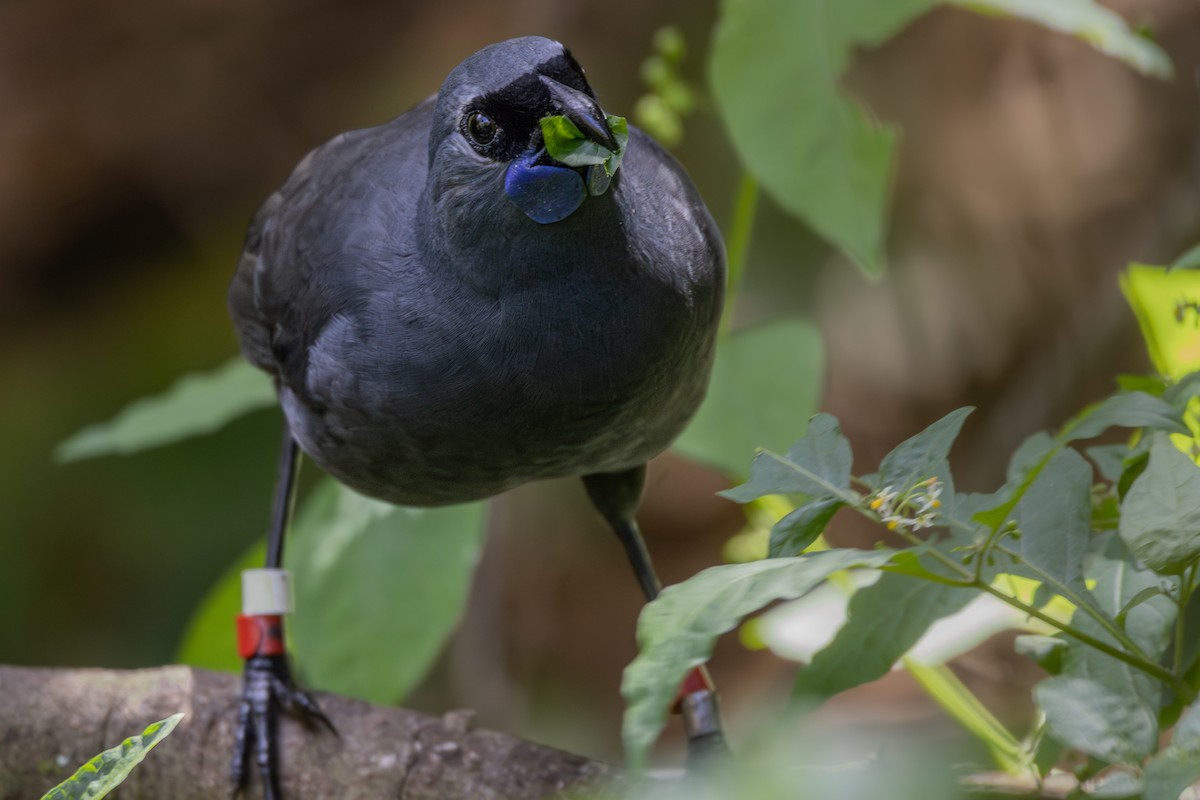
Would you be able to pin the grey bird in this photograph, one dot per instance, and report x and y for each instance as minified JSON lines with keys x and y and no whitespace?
{"x":448,"y":312}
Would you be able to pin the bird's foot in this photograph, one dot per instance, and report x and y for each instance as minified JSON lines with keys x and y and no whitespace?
{"x":697,"y":704}
{"x":267,"y":689}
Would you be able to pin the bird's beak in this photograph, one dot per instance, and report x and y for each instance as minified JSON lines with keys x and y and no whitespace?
{"x":583,"y":111}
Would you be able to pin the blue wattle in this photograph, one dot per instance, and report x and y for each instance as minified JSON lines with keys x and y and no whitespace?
{"x":545,"y":193}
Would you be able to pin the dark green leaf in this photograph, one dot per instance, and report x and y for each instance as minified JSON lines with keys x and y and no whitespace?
{"x":818,"y":465}
{"x":1106,"y":510}
{"x":1189,"y":260}
{"x":1109,"y":459}
{"x":908,"y":562}
{"x":1135,"y":465}
{"x":801,"y":527}
{"x":1187,"y":732}
{"x":766,"y":381}
{"x":1100,"y":27}
{"x":775,"y":70}
{"x":1116,"y":580}
{"x":1146,"y":594}
{"x":1054,"y":518}
{"x":1124,"y":410}
{"x":209,"y":640}
{"x":1116,"y":785}
{"x":1160,"y":518}
{"x":1025,"y":465}
{"x":195,"y":404}
{"x":1154,"y":385}
{"x":379,"y":588}
{"x":677,"y":631}
{"x":1032,"y":454}
{"x":1182,"y":390}
{"x":107,"y":771}
{"x":1130,"y":409}
{"x":1095,"y":720}
{"x":1171,"y":771}
{"x":1047,"y":651}
{"x":884,"y":620}
{"x":921,"y":456}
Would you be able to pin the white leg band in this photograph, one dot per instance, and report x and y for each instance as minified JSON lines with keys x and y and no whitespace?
{"x":266,"y":591}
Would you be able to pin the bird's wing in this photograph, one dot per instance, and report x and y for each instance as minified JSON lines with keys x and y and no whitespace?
{"x":252,"y":326}
{"x":297,"y":269}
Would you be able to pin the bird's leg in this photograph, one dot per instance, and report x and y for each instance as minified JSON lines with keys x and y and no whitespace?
{"x":616,"y":496}
{"x":267,"y":684}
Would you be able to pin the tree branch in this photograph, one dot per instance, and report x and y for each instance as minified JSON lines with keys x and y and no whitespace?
{"x":53,"y":720}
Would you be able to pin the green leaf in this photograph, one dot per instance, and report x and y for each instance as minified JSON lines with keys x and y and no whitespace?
{"x":676,"y":632}
{"x":1023,"y":468}
{"x":921,"y":456}
{"x":1031,"y":455}
{"x":107,"y":771}
{"x":1095,"y":720}
{"x":884,"y":620}
{"x":195,"y":404}
{"x":1103,"y":29}
{"x":566,"y":144}
{"x":817,"y":465}
{"x":1116,"y":580}
{"x":1160,"y":517}
{"x":775,"y":72}
{"x":766,"y":379}
{"x":1123,"y":410}
{"x":1109,"y":460}
{"x":1150,"y":384}
{"x":1054,"y":518}
{"x":1187,"y":732}
{"x":1116,"y":785}
{"x":1180,"y":390}
{"x":1135,"y":465}
{"x":210,"y":641}
{"x":1169,"y":772}
{"x":1047,"y":651}
{"x":379,"y":588}
{"x":1189,"y":260}
{"x":908,"y":562}
{"x":776,"y":69}
{"x":792,"y":535}
{"x":1127,"y":409}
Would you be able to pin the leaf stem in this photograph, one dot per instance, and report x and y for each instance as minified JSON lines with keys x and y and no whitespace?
{"x":738,"y":243}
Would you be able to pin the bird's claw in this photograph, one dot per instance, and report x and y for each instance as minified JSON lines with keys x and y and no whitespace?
{"x":267,"y":689}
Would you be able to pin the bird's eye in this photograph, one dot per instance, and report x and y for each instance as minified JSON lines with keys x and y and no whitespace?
{"x":481,"y":128}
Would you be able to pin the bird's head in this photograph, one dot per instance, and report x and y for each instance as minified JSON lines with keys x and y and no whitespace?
{"x":489,"y":141}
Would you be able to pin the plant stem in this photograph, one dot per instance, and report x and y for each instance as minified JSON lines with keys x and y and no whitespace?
{"x":1186,"y":581}
{"x":1110,"y":626}
{"x":1149,"y":667}
{"x":1135,"y":658}
{"x":738,"y":243}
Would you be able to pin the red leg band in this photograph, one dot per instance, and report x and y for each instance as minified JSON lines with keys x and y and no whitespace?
{"x":260,"y":635}
{"x":696,"y":681}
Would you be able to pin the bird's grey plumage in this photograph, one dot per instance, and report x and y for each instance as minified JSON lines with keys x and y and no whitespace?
{"x":432,"y":344}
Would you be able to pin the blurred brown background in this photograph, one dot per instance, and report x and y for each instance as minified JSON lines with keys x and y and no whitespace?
{"x":137,"y":139}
